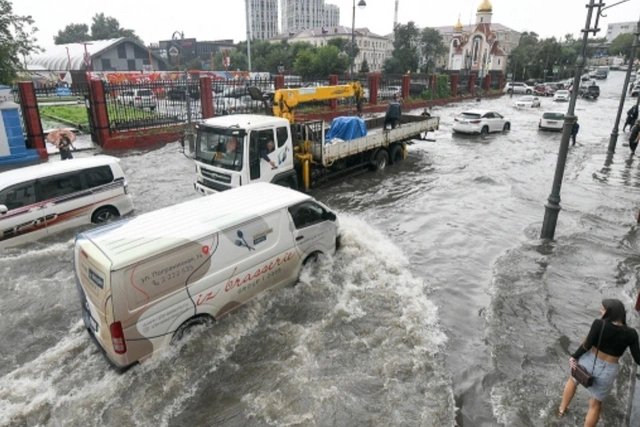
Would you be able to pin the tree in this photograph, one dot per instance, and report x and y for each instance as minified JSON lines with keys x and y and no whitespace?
{"x":344,"y":45}
{"x":621,"y":45}
{"x":102,"y":28}
{"x":432,"y":45}
{"x":16,"y":41}
{"x":405,"y":53}
{"x":364,"y":67}
{"x":72,"y":33}
{"x":304,"y":63}
{"x":329,"y":60}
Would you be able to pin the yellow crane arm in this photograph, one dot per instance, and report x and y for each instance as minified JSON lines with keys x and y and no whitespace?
{"x":286,"y":100}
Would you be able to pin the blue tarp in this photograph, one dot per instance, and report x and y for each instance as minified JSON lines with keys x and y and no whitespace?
{"x":346,"y":128}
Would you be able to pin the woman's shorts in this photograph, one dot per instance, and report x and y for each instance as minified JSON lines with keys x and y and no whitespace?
{"x":605,"y":374}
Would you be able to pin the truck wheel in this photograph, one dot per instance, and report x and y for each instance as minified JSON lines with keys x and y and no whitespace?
{"x":395,"y":155}
{"x":381,"y":160}
{"x":188,"y":326}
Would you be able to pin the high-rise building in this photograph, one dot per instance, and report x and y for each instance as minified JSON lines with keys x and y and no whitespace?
{"x":262,"y":18}
{"x":298,"y":15}
{"x":614,"y":30}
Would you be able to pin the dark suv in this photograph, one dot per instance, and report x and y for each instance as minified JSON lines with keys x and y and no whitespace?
{"x":590,"y":91}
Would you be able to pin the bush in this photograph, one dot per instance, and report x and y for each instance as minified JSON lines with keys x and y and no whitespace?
{"x":443,"y":89}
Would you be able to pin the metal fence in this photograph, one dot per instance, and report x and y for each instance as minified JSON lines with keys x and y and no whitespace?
{"x":52,"y":92}
{"x":389,"y":86}
{"x":152,"y":104}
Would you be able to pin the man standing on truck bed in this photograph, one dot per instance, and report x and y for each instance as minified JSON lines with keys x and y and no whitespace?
{"x":394,"y":113}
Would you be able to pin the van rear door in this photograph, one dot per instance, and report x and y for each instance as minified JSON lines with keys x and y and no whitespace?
{"x":92,"y":270}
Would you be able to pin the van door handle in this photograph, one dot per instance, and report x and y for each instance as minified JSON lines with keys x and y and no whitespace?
{"x":299,"y":238}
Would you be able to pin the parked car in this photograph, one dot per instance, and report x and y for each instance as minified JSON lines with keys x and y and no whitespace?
{"x":179,"y":93}
{"x":635,"y":90}
{"x":551,"y":120}
{"x":544,"y":90}
{"x":591,"y":91}
{"x":480,"y":122}
{"x":518,"y":87}
{"x":389,"y":91}
{"x":528,"y":101}
{"x":139,"y":98}
{"x":561,"y":95}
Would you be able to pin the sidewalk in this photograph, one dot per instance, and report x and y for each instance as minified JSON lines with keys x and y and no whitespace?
{"x":633,"y":412}
{"x":82,"y":143}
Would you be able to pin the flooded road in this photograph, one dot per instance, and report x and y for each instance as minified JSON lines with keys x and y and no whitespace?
{"x":443,"y":308}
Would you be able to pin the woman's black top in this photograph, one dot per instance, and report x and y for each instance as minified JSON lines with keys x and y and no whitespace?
{"x":615,"y":340}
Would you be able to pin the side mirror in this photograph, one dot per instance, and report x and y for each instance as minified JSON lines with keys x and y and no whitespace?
{"x":330,"y":216}
{"x":3,"y":209}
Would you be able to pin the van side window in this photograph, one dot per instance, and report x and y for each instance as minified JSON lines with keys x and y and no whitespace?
{"x":59,"y":185}
{"x":306,"y":214}
{"x":19,"y":195}
{"x":98,"y":176}
{"x":283,"y":134}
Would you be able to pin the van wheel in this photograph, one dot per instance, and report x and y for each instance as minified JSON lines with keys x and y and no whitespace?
{"x":381,"y":160}
{"x":188,"y":326}
{"x":396,"y":154}
{"x":104,"y":214}
{"x":311,"y":258}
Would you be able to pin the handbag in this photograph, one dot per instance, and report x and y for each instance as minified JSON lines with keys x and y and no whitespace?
{"x":580,"y":372}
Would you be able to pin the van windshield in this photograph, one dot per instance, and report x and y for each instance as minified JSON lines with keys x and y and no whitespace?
{"x":220,"y":147}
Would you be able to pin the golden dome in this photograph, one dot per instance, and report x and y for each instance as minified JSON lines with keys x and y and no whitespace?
{"x":458,"y":27}
{"x":485,"y":6}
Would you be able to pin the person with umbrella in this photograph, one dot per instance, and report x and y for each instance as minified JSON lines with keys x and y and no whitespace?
{"x":63,"y":139}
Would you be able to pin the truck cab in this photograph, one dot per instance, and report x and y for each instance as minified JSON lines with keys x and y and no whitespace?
{"x":241,"y":149}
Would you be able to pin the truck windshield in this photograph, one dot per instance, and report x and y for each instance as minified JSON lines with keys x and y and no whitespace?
{"x":219,"y":147}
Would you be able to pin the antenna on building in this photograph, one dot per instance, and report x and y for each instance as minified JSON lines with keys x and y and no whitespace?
{"x":395,"y":16}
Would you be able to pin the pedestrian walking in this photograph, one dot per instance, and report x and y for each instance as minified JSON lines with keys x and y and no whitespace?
{"x":63,"y":140}
{"x":394,"y":113}
{"x":608,"y":339}
{"x":632,"y":116}
{"x":574,"y":132}
{"x":634,"y":136}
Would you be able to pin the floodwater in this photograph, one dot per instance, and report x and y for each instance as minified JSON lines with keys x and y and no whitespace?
{"x":443,"y":308}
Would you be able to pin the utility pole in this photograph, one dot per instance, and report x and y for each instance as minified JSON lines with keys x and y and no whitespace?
{"x":614,"y":133}
{"x":552,"y":208}
{"x":248,"y":2}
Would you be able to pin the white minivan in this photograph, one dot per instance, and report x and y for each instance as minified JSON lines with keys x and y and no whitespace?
{"x":44,"y":199}
{"x":144,"y":282}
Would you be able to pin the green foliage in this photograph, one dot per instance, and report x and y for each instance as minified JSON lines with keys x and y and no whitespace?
{"x":364,"y":67}
{"x":102,"y":28}
{"x":344,"y":45}
{"x":443,"y":89}
{"x":195,"y":64}
{"x":17,"y":41}
{"x":621,"y":45}
{"x":532,"y":56}
{"x":411,"y":46}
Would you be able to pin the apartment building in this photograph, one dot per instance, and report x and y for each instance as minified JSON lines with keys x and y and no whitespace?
{"x":298,"y":15}
{"x":262,"y":18}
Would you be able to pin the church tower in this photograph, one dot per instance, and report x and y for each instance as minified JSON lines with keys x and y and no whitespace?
{"x":484,"y":13}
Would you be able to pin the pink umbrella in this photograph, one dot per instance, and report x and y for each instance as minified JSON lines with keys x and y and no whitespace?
{"x":55,"y":135}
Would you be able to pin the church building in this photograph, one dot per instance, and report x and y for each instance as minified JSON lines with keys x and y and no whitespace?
{"x":478,"y":50}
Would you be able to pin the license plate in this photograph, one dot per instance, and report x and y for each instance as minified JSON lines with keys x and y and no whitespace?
{"x":552,"y":123}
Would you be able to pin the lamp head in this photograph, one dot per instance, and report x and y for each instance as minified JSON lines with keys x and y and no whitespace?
{"x":362,"y":4}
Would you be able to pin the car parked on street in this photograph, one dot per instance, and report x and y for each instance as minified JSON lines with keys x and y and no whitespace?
{"x":138,"y":98}
{"x":551,"y":120}
{"x":634,"y":90}
{"x":561,"y":95}
{"x":527,"y":101}
{"x":518,"y":87}
{"x":480,"y":122}
{"x":179,"y":93}
{"x":389,"y":91}
{"x":544,"y":90}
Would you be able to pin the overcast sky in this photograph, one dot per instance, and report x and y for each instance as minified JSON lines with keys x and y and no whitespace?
{"x":225,"y":19}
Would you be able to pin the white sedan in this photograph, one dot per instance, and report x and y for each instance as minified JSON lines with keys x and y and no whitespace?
{"x":480,"y":121}
{"x":551,"y":120}
{"x":527,"y":101}
{"x":561,"y":95}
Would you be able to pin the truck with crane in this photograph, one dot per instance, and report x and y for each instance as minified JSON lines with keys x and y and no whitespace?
{"x":241,"y":149}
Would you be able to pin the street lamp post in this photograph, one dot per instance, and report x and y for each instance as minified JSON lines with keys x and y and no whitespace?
{"x":552,"y":207}
{"x":187,"y":92}
{"x":361,"y":4}
{"x":614,"y":133}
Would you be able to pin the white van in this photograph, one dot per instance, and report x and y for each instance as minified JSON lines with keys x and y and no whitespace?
{"x":45,"y":199}
{"x":145,"y":281}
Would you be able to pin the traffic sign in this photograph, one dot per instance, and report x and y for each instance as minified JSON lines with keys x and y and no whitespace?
{"x":555,"y":70}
